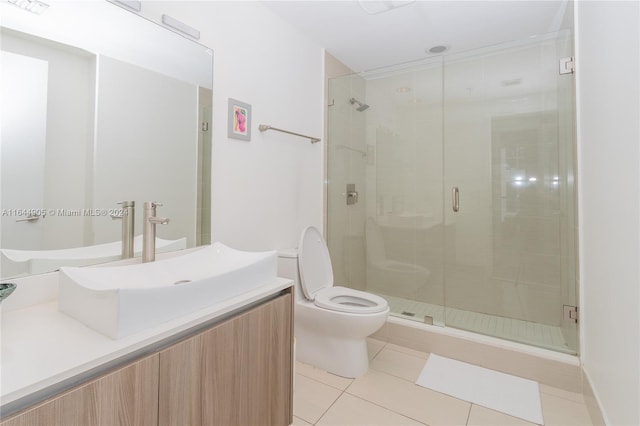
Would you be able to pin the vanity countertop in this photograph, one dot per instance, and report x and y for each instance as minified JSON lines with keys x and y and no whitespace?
{"x":45,"y":351}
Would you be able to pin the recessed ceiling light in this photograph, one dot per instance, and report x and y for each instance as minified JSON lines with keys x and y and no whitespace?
{"x":438,"y":49}
{"x":33,"y":6}
{"x":403,"y":89}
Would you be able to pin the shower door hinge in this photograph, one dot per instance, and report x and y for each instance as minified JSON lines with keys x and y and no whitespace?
{"x":567,"y":65}
{"x":570,"y":313}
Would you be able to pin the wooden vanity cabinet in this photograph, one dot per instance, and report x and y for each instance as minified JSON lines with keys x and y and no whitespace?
{"x":238,"y":372}
{"x":127,"y":396}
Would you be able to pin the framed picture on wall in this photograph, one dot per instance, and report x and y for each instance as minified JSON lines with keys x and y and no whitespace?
{"x":239,"y":122}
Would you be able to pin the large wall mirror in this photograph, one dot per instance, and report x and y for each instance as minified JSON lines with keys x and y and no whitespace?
{"x":99,"y":105}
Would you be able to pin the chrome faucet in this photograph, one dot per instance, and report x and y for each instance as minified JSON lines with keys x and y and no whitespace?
{"x":127,"y":215}
{"x":149,"y":222}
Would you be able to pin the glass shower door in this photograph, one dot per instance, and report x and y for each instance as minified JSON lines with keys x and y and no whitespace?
{"x":405,"y":226}
{"x":509,"y":229}
{"x":347,"y":190}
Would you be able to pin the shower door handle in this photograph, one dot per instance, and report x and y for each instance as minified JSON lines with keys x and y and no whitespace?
{"x":352,"y":194}
{"x":455,"y":199}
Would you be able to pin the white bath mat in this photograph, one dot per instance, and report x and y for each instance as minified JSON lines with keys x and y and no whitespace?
{"x":502,"y":392}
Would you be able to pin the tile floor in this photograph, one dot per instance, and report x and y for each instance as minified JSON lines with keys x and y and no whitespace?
{"x":387,"y":395}
{"x":542,"y":335}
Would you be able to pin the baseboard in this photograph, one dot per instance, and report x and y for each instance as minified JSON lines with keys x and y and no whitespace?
{"x":591,"y":400}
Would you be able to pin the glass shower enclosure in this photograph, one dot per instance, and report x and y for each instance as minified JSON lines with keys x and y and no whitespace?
{"x":451,"y":190}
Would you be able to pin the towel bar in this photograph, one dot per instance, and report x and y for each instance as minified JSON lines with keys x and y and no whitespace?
{"x":265,"y":127}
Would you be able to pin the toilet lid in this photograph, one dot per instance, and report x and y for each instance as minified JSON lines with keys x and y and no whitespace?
{"x":314,"y":263}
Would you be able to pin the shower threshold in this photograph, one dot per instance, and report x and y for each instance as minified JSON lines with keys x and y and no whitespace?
{"x":531,"y":333}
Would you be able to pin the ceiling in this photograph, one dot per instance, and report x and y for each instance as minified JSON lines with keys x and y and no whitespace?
{"x":365,"y":41}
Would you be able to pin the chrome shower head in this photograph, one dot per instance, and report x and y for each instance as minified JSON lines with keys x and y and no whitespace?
{"x":361,"y":106}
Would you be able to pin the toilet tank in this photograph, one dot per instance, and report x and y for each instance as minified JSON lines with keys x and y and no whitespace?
{"x":288,"y":268}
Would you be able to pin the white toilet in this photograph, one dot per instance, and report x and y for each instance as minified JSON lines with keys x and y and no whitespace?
{"x":331,"y":323}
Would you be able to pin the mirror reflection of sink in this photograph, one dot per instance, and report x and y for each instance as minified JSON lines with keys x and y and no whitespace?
{"x":122,"y":300}
{"x":20,"y":262}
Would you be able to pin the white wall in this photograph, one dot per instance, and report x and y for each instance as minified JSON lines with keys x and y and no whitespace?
{"x":265,"y":191}
{"x":608,"y":45}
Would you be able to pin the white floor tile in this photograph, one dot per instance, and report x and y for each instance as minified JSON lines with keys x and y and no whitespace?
{"x":386,"y":395}
{"x":352,"y":411}
{"x":481,"y":416}
{"x":311,"y":398}
{"x":561,"y":393}
{"x":559,"y":411}
{"x":299,"y":422}
{"x":398,"y":364}
{"x":410,"y":400}
{"x":322,"y":376}
{"x":498,"y":391}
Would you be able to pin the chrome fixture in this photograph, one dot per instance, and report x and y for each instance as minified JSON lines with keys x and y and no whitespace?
{"x":31,"y":219}
{"x":361,"y":106}
{"x":567,"y":65}
{"x":455,"y":199}
{"x":352,"y":194}
{"x":127,"y":215}
{"x":149,"y":222}
{"x":265,"y":127}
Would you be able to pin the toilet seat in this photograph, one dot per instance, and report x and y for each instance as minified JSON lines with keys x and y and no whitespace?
{"x":314,"y":263}
{"x":343,"y":299}
{"x":316,"y":279}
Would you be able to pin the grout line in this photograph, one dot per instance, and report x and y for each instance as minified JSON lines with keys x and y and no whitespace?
{"x":323,"y":383}
{"x":386,"y":408}
{"x":329,"y":407}
{"x":414,"y":384}
{"x":469,"y":414}
{"x":565,"y":398}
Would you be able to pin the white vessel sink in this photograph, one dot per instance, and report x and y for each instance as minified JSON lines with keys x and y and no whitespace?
{"x":122,"y":300}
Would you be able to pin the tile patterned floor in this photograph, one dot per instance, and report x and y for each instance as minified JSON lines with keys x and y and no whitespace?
{"x":387,"y":395}
{"x":541,"y":335}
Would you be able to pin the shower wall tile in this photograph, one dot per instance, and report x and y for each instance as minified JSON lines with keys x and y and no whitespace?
{"x":534,"y":303}
{"x":469,"y":290}
{"x":540,"y":269}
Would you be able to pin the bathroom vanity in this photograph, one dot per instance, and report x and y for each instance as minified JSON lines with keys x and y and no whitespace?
{"x":228,"y":364}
